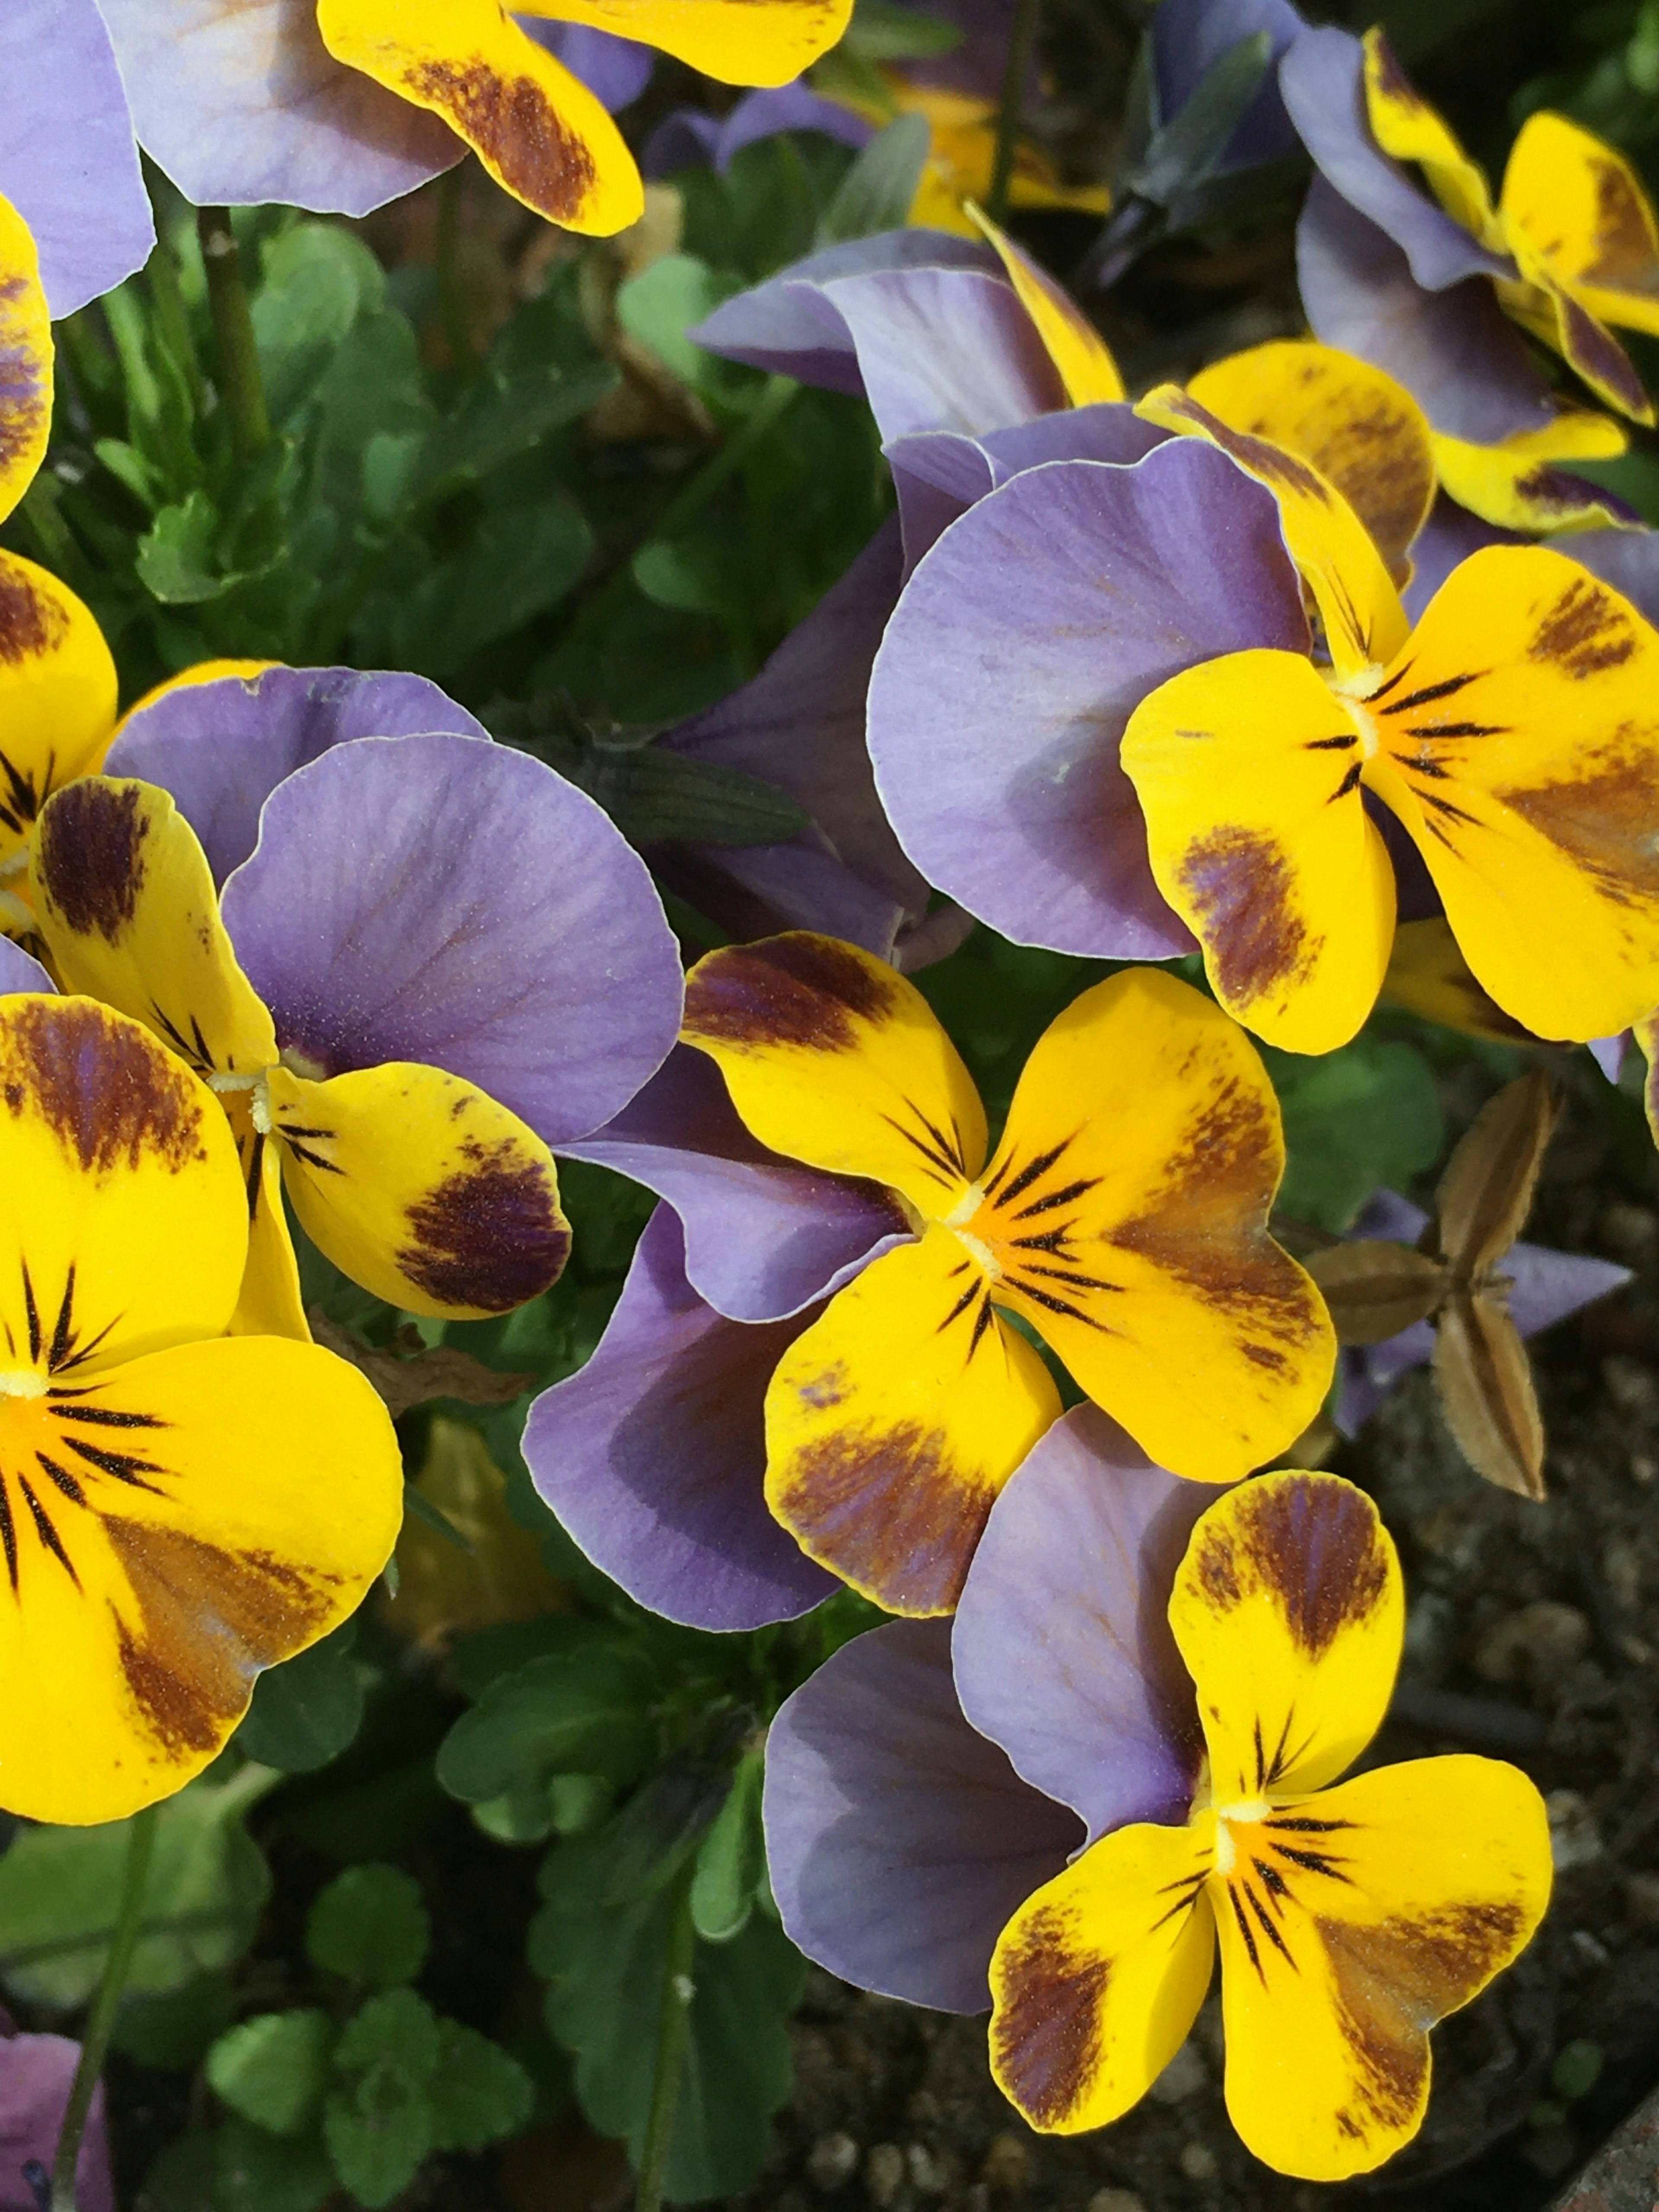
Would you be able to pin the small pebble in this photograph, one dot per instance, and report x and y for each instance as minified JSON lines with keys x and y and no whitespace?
{"x":1630,"y":1385}
{"x":1116,"y":2200}
{"x":1575,"y":1840}
{"x":1621,"y":1565}
{"x":1543,"y":1638}
{"x":883,"y":2173}
{"x":929,"y":2175}
{"x":1628,"y":1228}
{"x":1184,"y":2077}
{"x":832,"y":2161}
{"x":1642,"y":1895}
{"x":1006,"y":2165}
{"x":1198,"y":2162}
{"x":1643,"y":1469}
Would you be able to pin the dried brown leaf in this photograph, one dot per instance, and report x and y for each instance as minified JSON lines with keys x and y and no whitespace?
{"x":1375,"y":1288}
{"x":1485,"y":1193}
{"x":1484,"y":1379}
{"x":444,"y":1371}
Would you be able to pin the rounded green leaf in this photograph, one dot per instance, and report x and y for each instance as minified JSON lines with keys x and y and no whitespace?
{"x":273,"y":2069}
{"x":371,"y":1927}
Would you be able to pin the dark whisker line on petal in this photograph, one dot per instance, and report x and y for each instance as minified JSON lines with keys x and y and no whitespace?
{"x":1331,"y":744}
{"x":1444,"y":807}
{"x":1314,"y":1863}
{"x":61,"y":1478}
{"x":1064,"y":1274}
{"x":1063,"y":1196}
{"x":313,"y":1159}
{"x":1460,"y":730}
{"x":1050,"y":1240}
{"x":46,"y":1532}
{"x":255,"y":1169}
{"x":33,"y":1313}
{"x":1428,"y":693}
{"x":1270,"y":1927}
{"x":8,"y":1535}
{"x":1271,"y":1880}
{"x":1304,"y":1824}
{"x":62,"y":1334}
{"x":1033,"y":1168}
{"x":104,"y":1417}
{"x":961,"y":1307}
{"x":1047,"y":1298}
{"x":982,"y":1320}
{"x":950,"y":1147}
{"x":1349,"y":782}
{"x":119,"y":1464}
{"x":82,"y":1353}
{"x":1261,"y":1754}
{"x":947,"y":1167}
{"x":1248,"y":1933}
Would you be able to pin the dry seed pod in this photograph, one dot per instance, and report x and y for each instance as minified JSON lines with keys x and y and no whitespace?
{"x":1375,"y":1289}
{"x":1484,"y":1381}
{"x":1485,"y":1193}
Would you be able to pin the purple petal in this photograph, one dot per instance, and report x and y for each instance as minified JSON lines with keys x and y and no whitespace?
{"x":1323,"y":81}
{"x":239,"y":100}
{"x":1190,"y":36}
{"x":35,"y":2075}
{"x":1062,"y":1649}
{"x":977,"y":64}
{"x":222,"y":748}
{"x":899,"y":1842}
{"x":1019,"y":651}
{"x":614,"y":70}
{"x":685,"y":139}
{"x":765,"y":113}
{"x":67,"y":163}
{"x":945,"y":350}
{"x":653,"y":1454}
{"x":1626,"y":559}
{"x":433,"y":899}
{"x":1450,"y":535}
{"x":1385,"y":1214}
{"x":756,"y":890}
{"x":18,"y":972}
{"x":765,"y":1238}
{"x":1546,"y":1286}
{"x":1609,"y":1054}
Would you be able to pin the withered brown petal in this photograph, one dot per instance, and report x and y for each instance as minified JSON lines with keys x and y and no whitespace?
{"x":1485,"y":1383}
{"x":1375,"y":1288}
{"x":444,"y":1371}
{"x":1485,"y":1193}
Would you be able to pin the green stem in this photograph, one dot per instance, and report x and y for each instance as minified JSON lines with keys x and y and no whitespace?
{"x":141,"y":1846}
{"x":673,"y":2035}
{"x":1022,"y":40}
{"x":241,"y":383}
{"x":173,"y":318}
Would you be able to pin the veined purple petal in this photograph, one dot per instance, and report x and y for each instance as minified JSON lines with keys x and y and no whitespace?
{"x":653,"y":1454}
{"x":945,"y":350}
{"x":614,"y":70}
{"x":900,"y":1841}
{"x":1019,"y":649}
{"x":18,"y":972}
{"x":1062,"y":1648}
{"x":434,"y":899}
{"x":764,"y":1237}
{"x":36,"y":2072}
{"x":67,"y":163}
{"x":239,"y":100}
{"x":1626,"y":559}
{"x":221,"y":748}
{"x":1323,"y":81}
{"x":1189,"y":36}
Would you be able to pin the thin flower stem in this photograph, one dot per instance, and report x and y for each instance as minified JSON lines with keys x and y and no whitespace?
{"x":241,"y":383}
{"x":94,"y":2043}
{"x":673,"y":2036}
{"x":1021,"y":40}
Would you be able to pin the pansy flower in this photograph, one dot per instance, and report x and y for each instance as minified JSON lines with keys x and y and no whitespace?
{"x":1123,"y":1758}
{"x":407,"y":964}
{"x":179,"y":1508}
{"x":1121,"y":1219}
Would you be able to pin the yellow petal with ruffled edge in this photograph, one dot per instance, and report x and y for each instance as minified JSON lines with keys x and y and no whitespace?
{"x":421,"y":1188}
{"x":125,"y":899}
{"x":125,"y":1229}
{"x":57,"y":693}
{"x":1428,"y":976}
{"x":894,"y":1421}
{"x":1097,"y":1979}
{"x":734,"y":41}
{"x":1076,"y":348}
{"x":1248,"y":769}
{"x":1289,"y":1610}
{"x":1576,"y":205}
{"x":1406,"y":127}
{"x":535,"y":127}
{"x":1363,"y":621}
{"x":1125,"y":1216}
{"x":26,"y":360}
{"x":1520,"y":484}
{"x":200,"y":671}
{"x":832,"y":1057}
{"x":1364,"y":433}
{"x":1546,"y":308}
{"x":1356,"y":1920}
{"x":1518,"y":741}
{"x":270,"y":1303}
{"x":178,"y":1524}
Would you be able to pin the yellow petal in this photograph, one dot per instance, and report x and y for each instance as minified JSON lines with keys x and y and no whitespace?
{"x":270,"y":1303}
{"x":832,"y":1057}
{"x":1576,"y":205}
{"x":421,"y":1188}
{"x":1406,"y":127}
{"x":736,"y":42}
{"x":1558,"y":319}
{"x":1364,"y":433}
{"x":1395,"y":1899}
{"x":894,"y":1421}
{"x":25,"y":361}
{"x":57,"y":697}
{"x":1097,"y":1977}
{"x":1071,"y":340}
{"x":1519,"y":484}
{"x":535,"y":127}
{"x":1363,"y":621}
{"x":1647,"y":1035}
{"x":1248,"y":769}
{"x":168,"y":1531}
{"x":125,"y":900}
{"x":126,"y":1225}
{"x":1126,"y":1215}
{"x":1289,"y":1610}
{"x":1518,"y":739}
{"x":200,"y":671}
{"x":1428,"y":976}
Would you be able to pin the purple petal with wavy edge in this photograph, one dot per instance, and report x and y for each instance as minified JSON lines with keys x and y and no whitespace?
{"x":1455,"y":351}
{"x":1322,"y":82}
{"x":1608,"y":1053}
{"x":239,"y":102}
{"x":36,"y":2072}
{"x":67,"y":163}
{"x":653,"y":1454}
{"x":1449,"y":536}
{"x":765,"y":1238}
{"x":774,"y":108}
{"x":434,"y":899}
{"x":614,"y":70}
{"x":1626,"y":559}
{"x":686,"y":139}
{"x":222,"y":748}
{"x":1188,"y":37}
{"x":1062,"y":1649}
{"x":900,"y":1841}
{"x":1019,"y":651}
{"x":18,"y":972}
{"x":788,"y":325}
{"x":945,"y":350}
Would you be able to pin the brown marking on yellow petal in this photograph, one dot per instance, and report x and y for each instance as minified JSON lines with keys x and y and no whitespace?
{"x":30,"y":624}
{"x":1586,"y":631}
{"x":101,"y":1085}
{"x":490,"y":1237}
{"x":1047,"y":2027}
{"x":1271,"y":462}
{"x":891,"y":1510}
{"x":1389,"y":77}
{"x":24,"y":404}
{"x":513,"y":123}
{"x":1314,"y":1545}
{"x":1240,"y":881}
{"x":1625,"y":260}
{"x":91,"y":856}
{"x":1600,"y":359}
{"x":208,"y":1622}
{"x":1604,"y":821}
{"x":793,"y":990}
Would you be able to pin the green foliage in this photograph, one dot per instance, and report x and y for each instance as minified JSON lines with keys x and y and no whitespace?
{"x":273,"y":2069}
{"x":480,"y":2094}
{"x":370,"y":1926}
{"x":731,"y":1864}
{"x":1357,"y":1120}
{"x":307,"y":1711}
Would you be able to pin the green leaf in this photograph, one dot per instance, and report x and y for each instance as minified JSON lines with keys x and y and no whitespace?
{"x":883,"y":32}
{"x":542,"y":372}
{"x":583,"y":1712}
{"x":257,"y":2171}
{"x":652,"y":794}
{"x":174,"y":2030}
{"x":307,"y":1711}
{"x":731,"y":1858}
{"x":273,"y":2069}
{"x":518,"y":564}
{"x":659,"y":305}
{"x":877,"y":191}
{"x":1355,"y":1120}
{"x":371,"y":1927}
{"x":208,"y":1886}
{"x":319,"y":277}
{"x":480,"y":2094}
{"x":396,"y":2030}
{"x":1185,"y":151}
{"x":178,"y":557}
{"x":379,"y":2127}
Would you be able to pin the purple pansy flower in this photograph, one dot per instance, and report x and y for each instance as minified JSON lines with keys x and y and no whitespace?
{"x":35,"y":2075}
{"x":1189,"y":36}
{"x":691,"y":138}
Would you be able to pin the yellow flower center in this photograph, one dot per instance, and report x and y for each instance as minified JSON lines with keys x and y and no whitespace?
{"x":22,"y":1382}
{"x":957,"y":1220}
{"x":1246,"y":1812}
